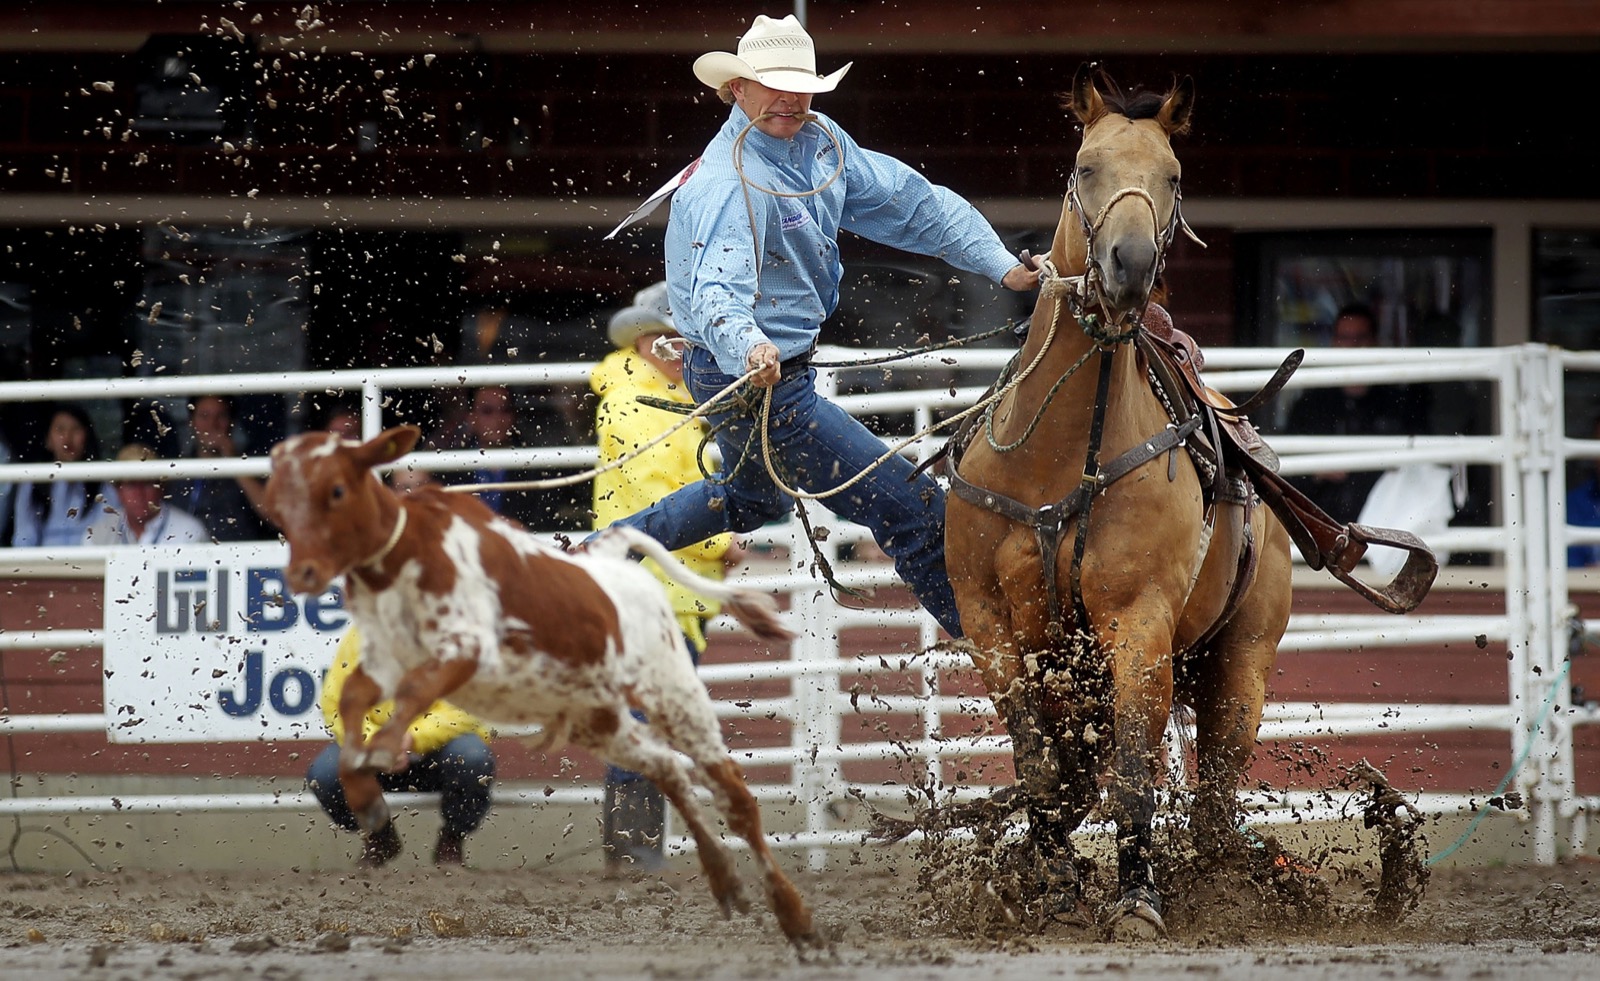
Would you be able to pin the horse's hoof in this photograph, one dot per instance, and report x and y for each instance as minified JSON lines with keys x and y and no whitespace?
{"x":1073,"y":915}
{"x":1136,"y":917}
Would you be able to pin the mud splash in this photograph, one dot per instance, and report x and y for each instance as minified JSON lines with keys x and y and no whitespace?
{"x":980,"y":877}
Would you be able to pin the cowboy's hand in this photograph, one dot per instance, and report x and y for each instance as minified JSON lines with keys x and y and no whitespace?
{"x":1021,"y":278}
{"x":765,"y":357}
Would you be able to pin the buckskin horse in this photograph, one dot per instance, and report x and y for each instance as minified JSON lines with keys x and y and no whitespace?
{"x":1105,"y":535}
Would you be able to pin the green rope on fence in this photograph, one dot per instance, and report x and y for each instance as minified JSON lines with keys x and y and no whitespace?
{"x":1522,"y":758}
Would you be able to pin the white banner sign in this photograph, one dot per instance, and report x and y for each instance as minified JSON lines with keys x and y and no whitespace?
{"x":205,"y":644}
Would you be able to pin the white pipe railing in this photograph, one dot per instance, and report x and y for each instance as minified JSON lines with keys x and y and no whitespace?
{"x":1527,"y":467}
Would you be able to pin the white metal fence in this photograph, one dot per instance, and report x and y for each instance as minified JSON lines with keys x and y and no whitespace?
{"x":1526,"y":537}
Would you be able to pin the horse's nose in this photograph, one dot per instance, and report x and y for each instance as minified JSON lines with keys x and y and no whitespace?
{"x":1131,"y":271}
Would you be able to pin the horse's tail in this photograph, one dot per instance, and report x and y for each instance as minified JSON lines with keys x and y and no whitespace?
{"x":756,"y":610}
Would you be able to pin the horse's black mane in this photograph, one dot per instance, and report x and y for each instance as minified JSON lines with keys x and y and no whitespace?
{"x":1141,"y":103}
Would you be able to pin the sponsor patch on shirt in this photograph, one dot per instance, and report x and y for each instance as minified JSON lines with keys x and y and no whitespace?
{"x":799,"y":219}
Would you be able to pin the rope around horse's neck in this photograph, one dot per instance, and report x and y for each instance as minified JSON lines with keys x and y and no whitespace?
{"x":1092,"y":327}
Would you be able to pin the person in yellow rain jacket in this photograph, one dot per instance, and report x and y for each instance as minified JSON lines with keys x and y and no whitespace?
{"x":449,"y":756}
{"x":634,"y":812}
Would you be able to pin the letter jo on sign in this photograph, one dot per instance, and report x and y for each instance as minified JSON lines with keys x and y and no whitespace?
{"x":206,"y":644}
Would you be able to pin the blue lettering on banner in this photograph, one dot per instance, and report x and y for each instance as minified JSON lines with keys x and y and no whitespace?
{"x":305,"y":694}
{"x":267,"y":603}
{"x":286,"y":680}
{"x":269,"y":607}
{"x":231,"y":703}
{"x":326,"y":612}
{"x":797,"y":220}
{"x":184,"y":592}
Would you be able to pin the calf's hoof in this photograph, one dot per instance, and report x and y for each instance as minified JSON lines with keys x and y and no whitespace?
{"x":385,"y":761}
{"x":374,"y":818}
{"x":1136,"y":916}
{"x":730,"y":896}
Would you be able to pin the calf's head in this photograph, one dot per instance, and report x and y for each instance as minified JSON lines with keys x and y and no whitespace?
{"x":329,"y":503}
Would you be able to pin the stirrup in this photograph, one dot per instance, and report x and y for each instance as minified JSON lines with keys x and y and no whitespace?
{"x":1409,"y":586}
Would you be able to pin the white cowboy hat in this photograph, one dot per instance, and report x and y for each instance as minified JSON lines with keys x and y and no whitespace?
{"x":648,"y":315}
{"x":777,"y":53}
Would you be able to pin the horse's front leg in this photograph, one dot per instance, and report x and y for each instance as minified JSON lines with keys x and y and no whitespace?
{"x":1142,"y":702}
{"x":1035,"y":751}
{"x":1056,"y":799}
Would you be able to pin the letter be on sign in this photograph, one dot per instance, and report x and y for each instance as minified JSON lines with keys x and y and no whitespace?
{"x":200,"y":672}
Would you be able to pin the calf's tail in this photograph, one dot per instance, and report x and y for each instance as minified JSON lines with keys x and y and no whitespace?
{"x":756,"y":610}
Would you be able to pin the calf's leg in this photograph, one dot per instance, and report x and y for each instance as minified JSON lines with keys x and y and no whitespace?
{"x":419,"y":688}
{"x":618,"y":738}
{"x":681,"y":709}
{"x":361,"y":790}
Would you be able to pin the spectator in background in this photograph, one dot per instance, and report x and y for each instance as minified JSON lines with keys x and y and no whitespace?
{"x":1583,"y":508}
{"x":449,"y":756}
{"x":405,"y":480}
{"x":634,"y":815}
{"x":138,"y":514}
{"x":1353,"y":410}
{"x":56,"y":513}
{"x":231,"y":508}
{"x":6,"y":490}
{"x":492,"y":425}
{"x":342,"y":417}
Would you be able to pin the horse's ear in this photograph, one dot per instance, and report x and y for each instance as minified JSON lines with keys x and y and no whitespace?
{"x":1084,"y":102}
{"x":1175,"y":111}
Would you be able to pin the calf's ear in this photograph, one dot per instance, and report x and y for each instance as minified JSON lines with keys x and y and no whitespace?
{"x":388,"y":446}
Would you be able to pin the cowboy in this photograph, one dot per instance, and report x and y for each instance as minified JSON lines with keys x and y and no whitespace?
{"x":753,"y":270}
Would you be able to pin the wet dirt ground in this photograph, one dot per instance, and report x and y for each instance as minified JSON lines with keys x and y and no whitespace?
{"x":1487,"y":922}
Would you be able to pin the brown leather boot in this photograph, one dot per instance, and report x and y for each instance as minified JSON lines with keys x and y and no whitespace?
{"x":449,"y":849}
{"x":380,"y":847}
{"x":633,"y":824}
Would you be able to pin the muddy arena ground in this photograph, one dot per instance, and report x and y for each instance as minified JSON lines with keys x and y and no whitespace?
{"x":414,"y":921}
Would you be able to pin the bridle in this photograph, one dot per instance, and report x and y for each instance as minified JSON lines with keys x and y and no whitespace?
{"x":1090,"y":293}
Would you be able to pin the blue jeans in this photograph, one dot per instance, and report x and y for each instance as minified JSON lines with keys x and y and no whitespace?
{"x":461,"y":772}
{"x":816,"y":446}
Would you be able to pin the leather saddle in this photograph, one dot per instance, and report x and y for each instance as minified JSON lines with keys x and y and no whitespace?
{"x":1175,"y":362}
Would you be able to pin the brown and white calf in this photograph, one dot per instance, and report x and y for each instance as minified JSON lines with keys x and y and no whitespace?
{"x":456,"y":602}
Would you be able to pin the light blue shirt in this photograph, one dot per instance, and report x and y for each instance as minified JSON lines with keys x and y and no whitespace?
{"x":65,"y":519}
{"x":711,"y":267}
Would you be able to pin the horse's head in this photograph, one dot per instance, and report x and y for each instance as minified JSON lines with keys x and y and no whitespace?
{"x":1122,"y":206}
